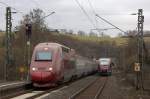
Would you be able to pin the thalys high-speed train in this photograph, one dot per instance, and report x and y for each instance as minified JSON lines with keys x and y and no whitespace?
{"x":105,"y":66}
{"x":52,"y":63}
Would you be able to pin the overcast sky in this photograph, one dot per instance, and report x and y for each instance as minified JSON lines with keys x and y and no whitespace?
{"x":70,"y":16}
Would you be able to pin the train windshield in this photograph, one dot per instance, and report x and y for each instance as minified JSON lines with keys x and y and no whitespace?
{"x":104,"y":62}
{"x":43,"y":56}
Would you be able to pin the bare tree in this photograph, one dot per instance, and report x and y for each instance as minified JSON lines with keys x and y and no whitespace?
{"x":81,"y":33}
{"x":92,"y":34}
{"x":70,"y":31}
{"x":38,"y":25}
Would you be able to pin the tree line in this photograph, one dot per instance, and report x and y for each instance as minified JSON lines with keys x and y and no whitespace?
{"x":125,"y":54}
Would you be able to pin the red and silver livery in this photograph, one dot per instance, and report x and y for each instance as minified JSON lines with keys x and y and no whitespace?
{"x":105,"y":66}
{"x":52,"y":63}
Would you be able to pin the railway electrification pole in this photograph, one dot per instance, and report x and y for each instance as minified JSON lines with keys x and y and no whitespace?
{"x":9,"y":57}
{"x":8,"y":42}
{"x":141,"y":44}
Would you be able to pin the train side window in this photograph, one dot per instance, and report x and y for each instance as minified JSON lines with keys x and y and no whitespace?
{"x":65,"y":49}
{"x":62,"y":55}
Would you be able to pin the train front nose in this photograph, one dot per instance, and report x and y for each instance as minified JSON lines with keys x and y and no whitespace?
{"x":42,"y":77}
{"x":47,"y":76}
{"x":104,"y":68}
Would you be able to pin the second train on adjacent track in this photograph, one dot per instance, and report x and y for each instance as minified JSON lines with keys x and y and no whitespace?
{"x":105,"y":66}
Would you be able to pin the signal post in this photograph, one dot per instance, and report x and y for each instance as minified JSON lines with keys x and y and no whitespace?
{"x":28,"y":28}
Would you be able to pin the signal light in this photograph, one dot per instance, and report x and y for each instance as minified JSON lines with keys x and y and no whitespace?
{"x":28,"y":30}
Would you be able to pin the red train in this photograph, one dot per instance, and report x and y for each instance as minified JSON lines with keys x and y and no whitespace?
{"x":52,"y":63}
{"x":105,"y":66}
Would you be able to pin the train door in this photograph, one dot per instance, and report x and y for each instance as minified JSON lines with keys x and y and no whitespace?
{"x":68,"y":64}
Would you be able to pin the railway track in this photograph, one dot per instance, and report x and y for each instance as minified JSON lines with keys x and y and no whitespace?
{"x":37,"y":93}
{"x":91,"y":91}
{"x":23,"y":91}
{"x":29,"y":92}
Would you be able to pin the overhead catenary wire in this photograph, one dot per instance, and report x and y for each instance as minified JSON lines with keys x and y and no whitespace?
{"x":103,"y":18}
{"x":39,"y":7}
{"x":96,"y":22}
{"x":86,"y":14}
{"x":94,"y":12}
{"x":11,"y":7}
{"x":36,"y":3}
{"x":47,"y":15}
{"x":91,"y":7}
{"x":104,"y":29}
{"x":4,"y":3}
{"x":111,"y":24}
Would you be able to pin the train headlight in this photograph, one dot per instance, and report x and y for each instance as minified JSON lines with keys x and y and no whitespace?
{"x":34,"y":69}
{"x":50,"y":68}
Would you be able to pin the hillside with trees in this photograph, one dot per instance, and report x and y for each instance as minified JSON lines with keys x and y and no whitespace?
{"x":91,"y":46}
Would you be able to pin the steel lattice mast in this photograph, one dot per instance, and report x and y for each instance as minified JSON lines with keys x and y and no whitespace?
{"x":140,"y":48}
{"x":8,"y":38}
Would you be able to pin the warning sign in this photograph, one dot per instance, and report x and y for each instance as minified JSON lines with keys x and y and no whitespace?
{"x":137,"y":67}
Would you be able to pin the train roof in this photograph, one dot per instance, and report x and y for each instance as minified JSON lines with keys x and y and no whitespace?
{"x":47,"y":44}
{"x":104,"y":59}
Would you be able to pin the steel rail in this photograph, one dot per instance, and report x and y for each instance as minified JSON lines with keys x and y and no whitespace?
{"x":46,"y":91}
{"x":83,"y":89}
{"x":101,"y":89}
{"x":14,"y":91}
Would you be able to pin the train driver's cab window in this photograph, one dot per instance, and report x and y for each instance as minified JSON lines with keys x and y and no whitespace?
{"x":104,"y":62}
{"x":64,"y":52}
{"x":43,"y":56}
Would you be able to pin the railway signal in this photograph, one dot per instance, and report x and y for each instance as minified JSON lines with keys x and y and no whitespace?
{"x":28,"y":28}
{"x":28,"y":31}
